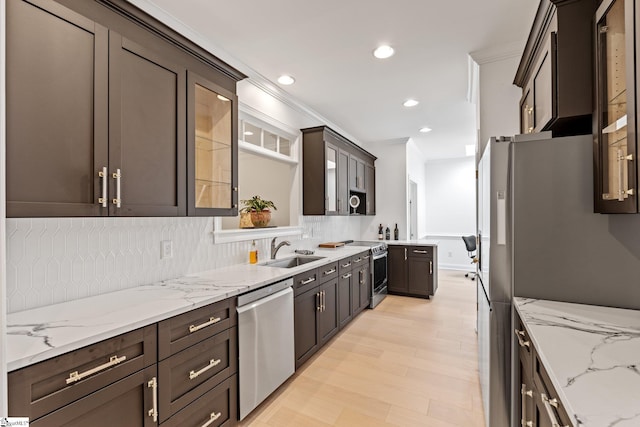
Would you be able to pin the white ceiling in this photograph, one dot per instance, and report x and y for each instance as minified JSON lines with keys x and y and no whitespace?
{"x":326,"y":45}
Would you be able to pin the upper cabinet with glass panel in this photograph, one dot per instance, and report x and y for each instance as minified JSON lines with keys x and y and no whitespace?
{"x":614,"y":118}
{"x":271,"y":141}
{"x":212,"y":149}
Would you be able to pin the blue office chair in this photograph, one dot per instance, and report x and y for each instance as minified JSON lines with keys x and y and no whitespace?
{"x":470,"y":243}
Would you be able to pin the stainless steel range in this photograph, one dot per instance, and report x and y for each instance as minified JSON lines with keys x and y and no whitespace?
{"x":378,"y":269}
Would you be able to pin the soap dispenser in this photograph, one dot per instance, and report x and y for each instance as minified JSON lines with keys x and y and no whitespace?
{"x":253,"y":253}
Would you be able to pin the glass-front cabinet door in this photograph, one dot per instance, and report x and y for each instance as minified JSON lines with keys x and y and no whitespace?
{"x":212,"y":149}
{"x":331,"y":174}
{"x":615,"y":121}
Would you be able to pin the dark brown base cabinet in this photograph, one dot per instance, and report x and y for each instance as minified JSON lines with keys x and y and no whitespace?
{"x":412,"y":270}
{"x":539,"y":405}
{"x":97,"y":111}
{"x":326,"y":300}
{"x":180,"y":371}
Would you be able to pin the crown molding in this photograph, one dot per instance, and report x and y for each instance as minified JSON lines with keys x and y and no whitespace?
{"x":498,"y":53}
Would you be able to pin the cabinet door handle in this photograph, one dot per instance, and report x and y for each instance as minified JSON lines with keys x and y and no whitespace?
{"x":319,"y":300}
{"x":405,"y":254}
{"x":103,"y":195}
{"x":75,"y":376}
{"x":548,"y":403}
{"x":118,"y":200}
{"x":153,"y":412}
{"x":324,"y":301}
{"x":196,"y":374}
{"x":430,"y":267}
{"x":212,"y":419}
{"x":211,"y":321}
{"x":309,"y":280}
{"x":416,"y":251}
{"x":521,"y":342}
{"x":530,"y":130}
{"x":326,"y":273}
{"x":346,"y":276}
{"x":523,"y":405}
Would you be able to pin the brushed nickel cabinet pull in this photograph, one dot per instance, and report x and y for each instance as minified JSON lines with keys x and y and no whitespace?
{"x":416,"y":251}
{"x":309,"y":280}
{"x":346,"y":276}
{"x":214,"y":417}
{"x":75,"y":376}
{"x":118,"y":200}
{"x":196,"y":374}
{"x":153,"y":412}
{"x":523,"y":393}
{"x":346,"y":265}
{"x":326,"y":273}
{"x":548,"y":403}
{"x":212,"y":320}
{"x":319,"y":299}
{"x":103,"y":196}
{"x":357,"y":259}
{"x":430,"y":267}
{"x":521,"y":342}
{"x":405,"y":254}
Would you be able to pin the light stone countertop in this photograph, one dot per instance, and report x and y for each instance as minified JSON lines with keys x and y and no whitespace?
{"x":45,"y":332}
{"x":592,"y":355}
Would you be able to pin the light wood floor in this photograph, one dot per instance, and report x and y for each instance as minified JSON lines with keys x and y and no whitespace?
{"x":410,"y":362}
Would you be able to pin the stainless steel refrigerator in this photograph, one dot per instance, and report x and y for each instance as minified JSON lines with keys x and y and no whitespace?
{"x":534,"y":192}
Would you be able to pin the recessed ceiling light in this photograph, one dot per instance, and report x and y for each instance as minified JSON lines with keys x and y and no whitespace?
{"x":248,"y":133}
{"x":223,"y":98}
{"x":383,"y":52}
{"x":410,"y":103}
{"x":425,"y":129}
{"x":286,"y":80}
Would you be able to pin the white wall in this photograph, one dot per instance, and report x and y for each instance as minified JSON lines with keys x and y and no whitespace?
{"x":499,"y":99}
{"x":391,"y":188}
{"x":417,"y":172}
{"x":451,"y":208}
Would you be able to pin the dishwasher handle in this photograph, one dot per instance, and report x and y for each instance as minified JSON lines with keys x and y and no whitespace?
{"x":266,"y":300}
{"x":261,"y":293}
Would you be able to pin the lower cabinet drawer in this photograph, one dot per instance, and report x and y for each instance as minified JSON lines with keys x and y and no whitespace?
{"x":179,"y":332}
{"x":188,"y":374}
{"x":305,"y":281}
{"x":550,"y":406}
{"x":128,"y":402}
{"x":39,"y":389}
{"x":218,"y":407}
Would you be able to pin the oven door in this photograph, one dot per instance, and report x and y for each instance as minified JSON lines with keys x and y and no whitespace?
{"x":379,"y":272}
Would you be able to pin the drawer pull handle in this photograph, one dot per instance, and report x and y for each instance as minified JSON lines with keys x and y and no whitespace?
{"x":357,"y":260}
{"x":75,"y":376}
{"x":521,"y":342}
{"x":346,"y":276}
{"x":309,"y":280}
{"x":366,"y":257}
{"x":153,"y":412}
{"x":333,"y":270}
{"x":212,"y":321}
{"x":548,"y":403}
{"x":214,"y":417}
{"x":346,"y":265}
{"x":212,"y":363}
{"x":416,"y":251}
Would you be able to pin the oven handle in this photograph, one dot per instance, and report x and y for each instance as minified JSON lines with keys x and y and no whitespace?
{"x":380,"y":255}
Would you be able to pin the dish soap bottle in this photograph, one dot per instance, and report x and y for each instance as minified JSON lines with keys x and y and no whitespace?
{"x":253,"y":253}
{"x":387,"y":233}
{"x":380,"y":233}
{"x":396,"y":232}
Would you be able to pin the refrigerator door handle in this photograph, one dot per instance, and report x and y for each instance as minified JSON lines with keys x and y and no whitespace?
{"x":485,"y":293}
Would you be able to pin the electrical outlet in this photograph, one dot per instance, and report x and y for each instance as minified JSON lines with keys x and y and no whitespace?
{"x":450,"y":254}
{"x":167,"y":249}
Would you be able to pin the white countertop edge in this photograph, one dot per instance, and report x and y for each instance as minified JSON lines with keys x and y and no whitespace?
{"x":413,"y":242}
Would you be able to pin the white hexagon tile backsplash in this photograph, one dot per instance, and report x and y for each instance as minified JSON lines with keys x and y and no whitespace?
{"x":52,"y":260}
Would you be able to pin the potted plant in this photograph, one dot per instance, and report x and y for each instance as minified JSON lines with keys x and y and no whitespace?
{"x":259,"y":210}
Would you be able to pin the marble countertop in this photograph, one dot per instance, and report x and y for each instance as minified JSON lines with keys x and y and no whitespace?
{"x":41,"y":333}
{"x":592,"y":355}
{"x":413,"y":242}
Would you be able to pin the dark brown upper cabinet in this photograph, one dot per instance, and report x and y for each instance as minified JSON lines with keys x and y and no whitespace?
{"x":334,"y":171}
{"x":57,"y":110}
{"x":147,"y":109}
{"x":212,"y":153}
{"x":614,"y":121}
{"x":97,"y":110}
{"x":555,"y":71}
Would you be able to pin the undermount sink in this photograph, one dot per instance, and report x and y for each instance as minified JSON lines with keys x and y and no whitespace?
{"x":291,"y":262}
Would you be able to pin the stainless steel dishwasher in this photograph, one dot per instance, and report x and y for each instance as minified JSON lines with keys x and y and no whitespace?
{"x":265,"y":342}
